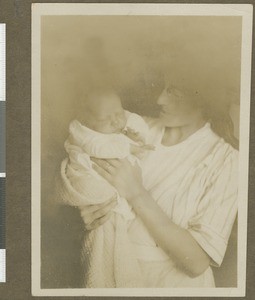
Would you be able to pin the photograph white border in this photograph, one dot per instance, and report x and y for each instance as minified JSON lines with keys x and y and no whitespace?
{"x":243,"y":10}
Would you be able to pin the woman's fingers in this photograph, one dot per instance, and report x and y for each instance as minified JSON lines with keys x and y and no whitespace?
{"x":98,"y":212}
{"x":94,"y":207}
{"x":104,"y":165}
{"x":101,"y":171}
{"x":103,"y":211}
{"x":95,"y":224}
{"x":114,"y":162}
{"x":100,"y":162}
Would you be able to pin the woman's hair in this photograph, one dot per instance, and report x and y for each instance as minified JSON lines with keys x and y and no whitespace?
{"x":216,"y":110}
{"x":222,"y":124}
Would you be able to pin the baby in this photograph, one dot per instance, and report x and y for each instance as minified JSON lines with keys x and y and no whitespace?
{"x":106,"y":131}
{"x":103,"y":130}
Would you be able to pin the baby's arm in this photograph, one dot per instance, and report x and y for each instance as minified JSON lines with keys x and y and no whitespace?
{"x":108,"y":146}
{"x":96,"y":144}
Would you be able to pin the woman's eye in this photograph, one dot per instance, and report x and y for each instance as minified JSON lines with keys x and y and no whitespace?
{"x":169,"y":91}
{"x":176,"y":95}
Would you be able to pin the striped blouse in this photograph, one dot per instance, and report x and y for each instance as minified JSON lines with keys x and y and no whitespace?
{"x":195,"y":183}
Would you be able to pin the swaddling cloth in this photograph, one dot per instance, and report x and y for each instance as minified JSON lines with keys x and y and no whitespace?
{"x":90,"y":184}
{"x":84,"y":143}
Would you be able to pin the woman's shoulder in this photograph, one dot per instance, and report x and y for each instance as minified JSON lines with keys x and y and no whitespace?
{"x":224,"y":148}
{"x":222,"y":156}
{"x":229,"y":153}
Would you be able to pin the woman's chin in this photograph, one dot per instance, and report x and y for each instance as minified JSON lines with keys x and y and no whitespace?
{"x":165,"y":119}
{"x":170,"y":121}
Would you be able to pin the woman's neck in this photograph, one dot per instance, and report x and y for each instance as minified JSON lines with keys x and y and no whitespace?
{"x":175,"y":135}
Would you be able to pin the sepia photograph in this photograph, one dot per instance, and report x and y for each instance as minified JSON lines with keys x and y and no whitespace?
{"x":140,"y":148}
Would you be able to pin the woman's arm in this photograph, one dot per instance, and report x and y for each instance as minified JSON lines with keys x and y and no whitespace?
{"x":177,"y":242}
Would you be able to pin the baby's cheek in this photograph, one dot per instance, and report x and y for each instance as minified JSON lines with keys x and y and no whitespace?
{"x":123,"y":123}
{"x":102,"y":128}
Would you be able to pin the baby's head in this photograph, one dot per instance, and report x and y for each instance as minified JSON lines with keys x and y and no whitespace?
{"x":103,"y":111}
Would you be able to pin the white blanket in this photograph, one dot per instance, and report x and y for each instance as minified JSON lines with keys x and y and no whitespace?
{"x":107,"y":254}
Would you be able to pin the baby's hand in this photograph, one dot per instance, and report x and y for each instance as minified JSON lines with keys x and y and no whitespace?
{"x":134,"y":135}
{"x":139,"y":151}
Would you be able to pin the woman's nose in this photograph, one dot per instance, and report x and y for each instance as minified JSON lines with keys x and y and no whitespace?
{"x":163,"y":98}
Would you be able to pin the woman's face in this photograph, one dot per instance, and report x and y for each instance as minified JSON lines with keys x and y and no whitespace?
{"x":177,"y":108}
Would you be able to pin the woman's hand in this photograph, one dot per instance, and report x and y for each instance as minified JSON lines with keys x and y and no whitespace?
{"x":97,"y":214}
{"x":120,"y":173}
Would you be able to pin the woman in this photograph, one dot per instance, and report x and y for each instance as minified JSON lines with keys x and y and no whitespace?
{"x":186,"y":202}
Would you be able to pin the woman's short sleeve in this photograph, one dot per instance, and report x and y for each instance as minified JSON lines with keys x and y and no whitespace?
{"x":212,"y":224}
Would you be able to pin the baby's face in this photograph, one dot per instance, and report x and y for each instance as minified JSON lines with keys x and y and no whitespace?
{"x":104,"y":113}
